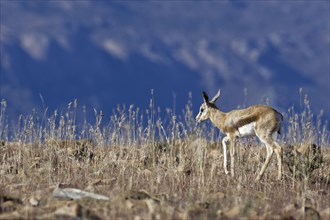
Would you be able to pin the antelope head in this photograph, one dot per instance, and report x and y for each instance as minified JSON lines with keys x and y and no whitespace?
{"x":204,"y":110}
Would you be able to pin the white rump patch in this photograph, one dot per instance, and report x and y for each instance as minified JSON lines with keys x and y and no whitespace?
{"x":247,"y":130}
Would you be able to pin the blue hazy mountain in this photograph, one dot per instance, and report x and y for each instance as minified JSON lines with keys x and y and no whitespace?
{"x":105,"y":53}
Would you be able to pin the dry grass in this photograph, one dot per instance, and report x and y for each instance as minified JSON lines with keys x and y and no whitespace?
{"x":153,"y":168}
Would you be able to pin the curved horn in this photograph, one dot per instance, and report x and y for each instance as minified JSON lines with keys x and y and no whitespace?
{"x":206,"y":97}
{"x":215,"y":97}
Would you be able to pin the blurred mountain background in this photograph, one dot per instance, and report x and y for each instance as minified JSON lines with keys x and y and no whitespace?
{"x":105,"y":53}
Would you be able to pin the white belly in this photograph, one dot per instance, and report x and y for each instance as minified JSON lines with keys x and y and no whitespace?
{"x":247,"y":130}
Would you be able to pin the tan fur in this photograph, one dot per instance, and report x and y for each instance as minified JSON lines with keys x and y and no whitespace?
{"x":266,"y":124}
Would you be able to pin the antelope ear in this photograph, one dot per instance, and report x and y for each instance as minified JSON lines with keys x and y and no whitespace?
{"x":206,"y":97}
{"x":215,"y":97}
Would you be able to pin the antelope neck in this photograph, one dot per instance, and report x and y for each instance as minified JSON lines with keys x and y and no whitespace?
{"x":216,"y":117}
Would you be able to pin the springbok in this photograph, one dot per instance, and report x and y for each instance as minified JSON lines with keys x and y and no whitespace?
{"x":258,"y":120}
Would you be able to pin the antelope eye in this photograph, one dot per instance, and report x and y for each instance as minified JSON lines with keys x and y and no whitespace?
{"x":202,"y":109}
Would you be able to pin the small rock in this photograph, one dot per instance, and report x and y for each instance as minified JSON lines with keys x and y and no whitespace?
{"x":72,"y":193}
{"x":325,"y":214}
{"x":291,"y":208}
{"x":234,"y":212}
{"x":33,"y":201}
{"x":75,"y":210}
{"x":141,"y":195}
{"x":312,"y":214}
{"x":12,"y":215}
{"x":7,"y":206}
{"x":71,"y":209}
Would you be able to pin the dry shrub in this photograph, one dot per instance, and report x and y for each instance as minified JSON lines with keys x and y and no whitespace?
{"x":302,"y":159}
